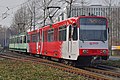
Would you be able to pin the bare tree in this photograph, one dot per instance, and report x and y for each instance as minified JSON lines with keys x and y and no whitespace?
{"x":4,"y":35}
{"x":69,"y":2}
{"x":115,"y":29}
{"x":114,"y":22}
{"x":20,"y":19}
{"x":108,"y":2}
{"x":35,"y":12}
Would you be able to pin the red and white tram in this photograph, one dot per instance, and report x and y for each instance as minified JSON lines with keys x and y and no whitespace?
{"x":75,"y":40}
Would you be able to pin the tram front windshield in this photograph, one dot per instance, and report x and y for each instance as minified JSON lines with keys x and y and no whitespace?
{"x":93,"y":29}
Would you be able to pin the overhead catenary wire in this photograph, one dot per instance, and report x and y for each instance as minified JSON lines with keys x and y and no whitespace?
{"x":9,"y":9}
{"x":39,"y":7}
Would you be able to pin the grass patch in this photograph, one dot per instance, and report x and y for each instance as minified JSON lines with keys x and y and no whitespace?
{"x":17,"y":70}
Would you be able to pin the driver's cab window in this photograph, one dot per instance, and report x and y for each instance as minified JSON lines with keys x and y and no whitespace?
{"x":73,"y":33}
{"x":70,"y":33}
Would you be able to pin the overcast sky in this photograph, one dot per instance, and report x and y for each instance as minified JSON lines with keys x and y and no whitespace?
{"x":13,"y":6}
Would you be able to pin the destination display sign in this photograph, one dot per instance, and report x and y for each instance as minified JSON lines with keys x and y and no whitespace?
{"x":92,"y":21}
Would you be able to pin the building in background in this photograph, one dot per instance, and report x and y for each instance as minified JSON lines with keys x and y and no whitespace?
{"x":97,"y":10}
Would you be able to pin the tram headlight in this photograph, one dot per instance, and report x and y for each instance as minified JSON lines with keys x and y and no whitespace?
{"x":85,"y":51}
{"x":104,"y":51}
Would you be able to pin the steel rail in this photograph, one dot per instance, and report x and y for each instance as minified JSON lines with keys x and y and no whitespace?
{"x":104,"y":72}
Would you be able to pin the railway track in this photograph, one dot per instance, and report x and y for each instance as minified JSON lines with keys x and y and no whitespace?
{"x":109,"y":68}
{"x":116,"y":75}
{"x":70,"y":69}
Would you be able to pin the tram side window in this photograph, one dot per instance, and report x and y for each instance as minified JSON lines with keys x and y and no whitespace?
{"x":28,"y":38}
{"x":70,"y":29}
{"x":45,"y":36}
{"x":50,"y":35}
{"x":62,"y":33}
{"x":24,"y":39}
{"x":75,"y":33}
{"x":14,"y":40}
{"x":34,"y":38}
{"x":10,"y":41}
{"x":20,"y":39}
{"x":17,"y":39}
{"x":38,"y":37}
{"x":56,"y":34}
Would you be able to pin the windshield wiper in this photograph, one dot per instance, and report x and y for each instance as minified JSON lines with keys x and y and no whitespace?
{"x":82,"y":40}
{"x":97,"y":40}
{"x":103,"y":41}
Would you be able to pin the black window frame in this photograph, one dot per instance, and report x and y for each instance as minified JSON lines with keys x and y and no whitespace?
{"x":63,"y":33}
{"x":56,"y":32}
{"x":20,"y":39}
{"x":45,"y":33}
{"x":50,"y":36}
{"x":34,"y":37}
{"x":24,"y":39}
{"x":75,"y":33}
{"x":28,"y":39}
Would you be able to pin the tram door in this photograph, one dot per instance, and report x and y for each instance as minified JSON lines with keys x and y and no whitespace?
{"x":32,"y":44}
{"x":70,"y":39}
{"x":39,"y":42}
{"x":73,"y":45}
